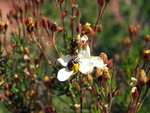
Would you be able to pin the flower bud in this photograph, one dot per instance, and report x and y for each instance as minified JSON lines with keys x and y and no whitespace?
{"x":16,"y":78}
{"x":26,"y":51}
{"x":126,"y":41}
{"x":36,"y":24}
{"x":102,"y":2}
{"x":89,"y":79}
{"x":142,"y":78}
{"x":110,"y":64}
{"x":98,"y":74}
{"x":28,"y":21}
{"x":49,"y":23}
{"x":147,"y":38}
{"x":54,"y":27}
{"x":146,"y":55}
{"x":46,"y":80}
{"x":99,"y":29}
{"x":30,"y":28}
{"x":44,"y":23}
{"x":104,"y":57}
{"x":106,"y":76}
{"x":148,"y":83}
{"x":78,"y":14}
{"x":90,"y":32}
{"x":134,"y":93}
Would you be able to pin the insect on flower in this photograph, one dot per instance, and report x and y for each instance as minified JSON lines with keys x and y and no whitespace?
{"x":73,"y":62}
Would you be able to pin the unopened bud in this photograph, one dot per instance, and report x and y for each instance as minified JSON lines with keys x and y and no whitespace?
{"x":49,"y":23}
{"x":28,"y":21}
{"x":54,"y":27}
{"x":30,"y":28}
{"x":36,"y":24}
{"x":26,"y":51}
{"x":46,"y":80}
{"x":89,"y":79}
{"x":147,"y":38}
{"x":102,"y":2}
{"x":99,"y":29}
{"x":146,"y":55}
{"x":78,"y":14}
{"x":106,"y":76}
{"x":142,"y":78}
{"x":16,"y":78}
{"x":44,"y":23}
{"x":104,"y":57}
{"x":110,"y":64}
{"x":90,"y":31}
{"x":98,"y":75}
{"x":134,"y":93}
{"x":126,"y":41}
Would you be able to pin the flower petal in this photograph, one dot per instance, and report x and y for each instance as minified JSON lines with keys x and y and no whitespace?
{"x":85,"y":54}
{"x":98,"y":62}
{"x":85,"y":66}
{"x":64,"y":60}
{"x":63,"y":74}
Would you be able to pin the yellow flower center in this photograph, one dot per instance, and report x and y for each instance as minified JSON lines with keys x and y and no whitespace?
{"x":75,"y":67}
{"x":92,"y":57}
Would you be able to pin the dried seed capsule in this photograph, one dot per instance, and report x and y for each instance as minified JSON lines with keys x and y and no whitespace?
{"x":142,"y":78}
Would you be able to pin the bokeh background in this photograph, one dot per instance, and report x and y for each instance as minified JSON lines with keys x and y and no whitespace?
{"x":117,"y":18}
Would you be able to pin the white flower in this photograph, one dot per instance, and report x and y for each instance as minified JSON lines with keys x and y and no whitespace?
{"x":85,"y":64}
